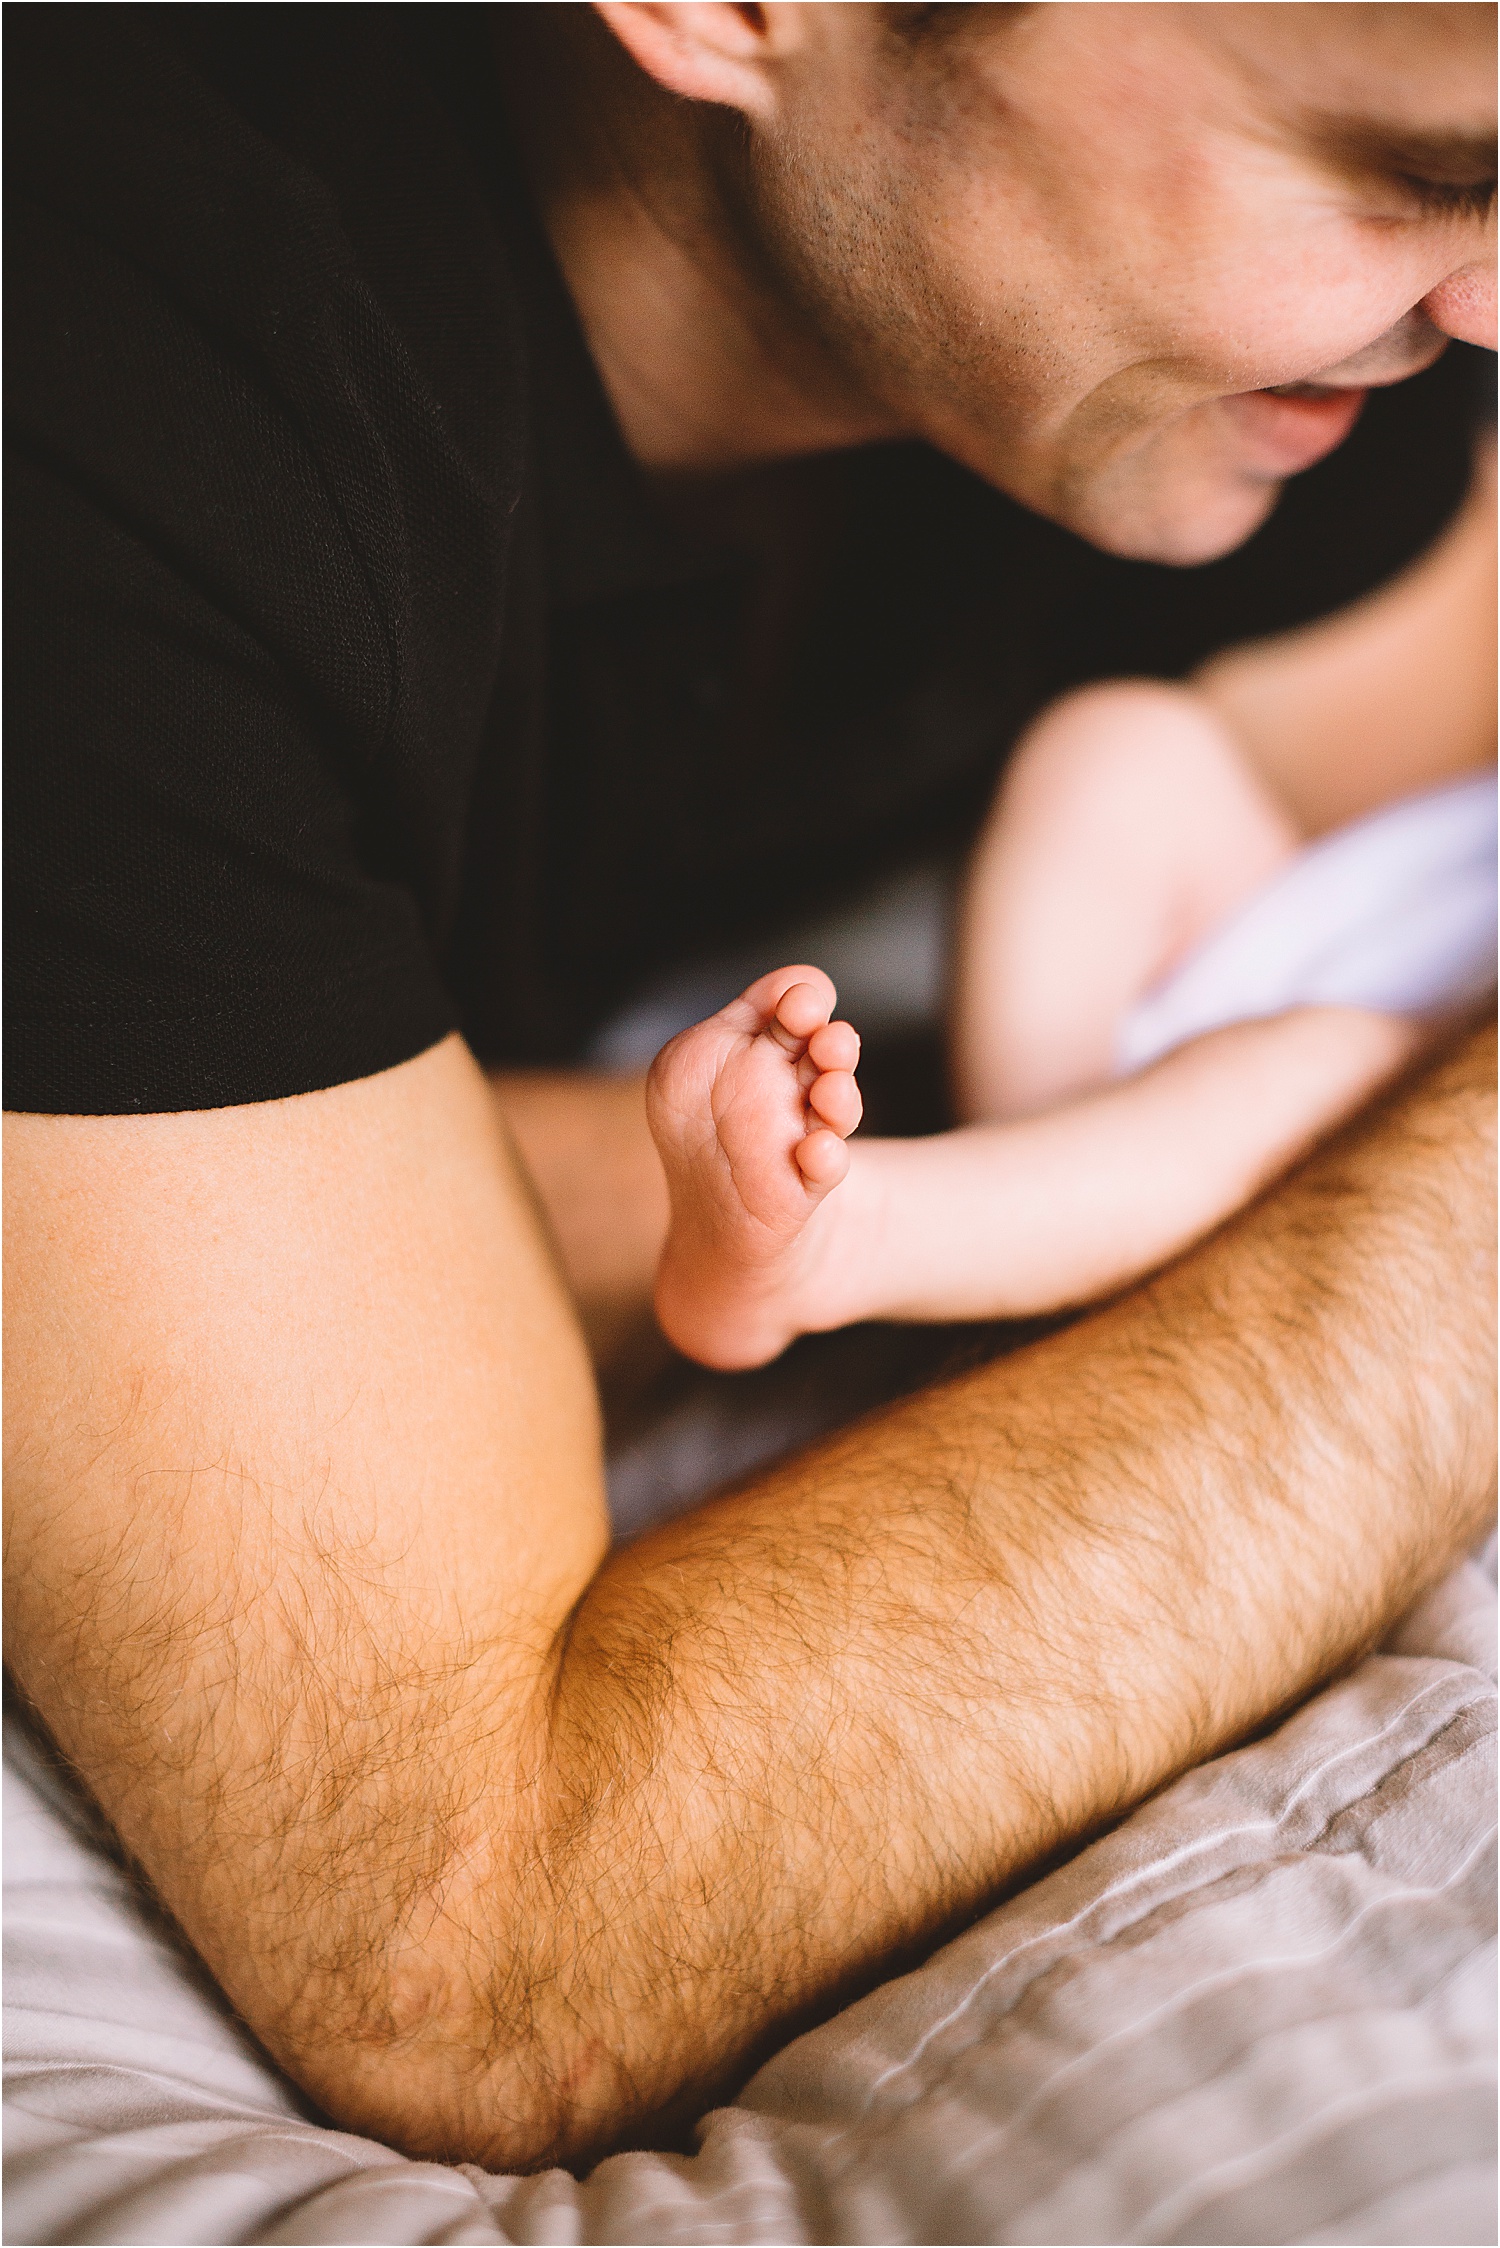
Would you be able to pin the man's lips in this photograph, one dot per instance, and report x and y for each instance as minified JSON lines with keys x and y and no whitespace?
{"x":1285,"y":430}
{"x":1304,"y":389}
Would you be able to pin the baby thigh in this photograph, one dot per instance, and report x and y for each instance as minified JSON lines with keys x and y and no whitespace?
{"x":1126,"y":826}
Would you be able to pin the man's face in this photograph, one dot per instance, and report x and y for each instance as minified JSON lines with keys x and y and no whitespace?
{"x":1079,"y":246}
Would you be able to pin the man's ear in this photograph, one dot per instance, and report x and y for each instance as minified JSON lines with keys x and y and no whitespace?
{"x":708,"y":50}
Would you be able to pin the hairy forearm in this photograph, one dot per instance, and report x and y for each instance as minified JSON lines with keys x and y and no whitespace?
{"x":508,"y":1847}
{"x":823,"y":1719}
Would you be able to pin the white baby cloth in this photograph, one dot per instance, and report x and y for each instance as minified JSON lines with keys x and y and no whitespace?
{"x":1396,"y":912}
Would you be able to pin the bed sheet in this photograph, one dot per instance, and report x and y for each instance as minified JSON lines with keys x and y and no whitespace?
{"x":1260,"y":2010}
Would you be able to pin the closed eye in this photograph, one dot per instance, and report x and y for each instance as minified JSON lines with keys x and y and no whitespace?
{"x":1440,"y":174}
{"x":1451,"y":198}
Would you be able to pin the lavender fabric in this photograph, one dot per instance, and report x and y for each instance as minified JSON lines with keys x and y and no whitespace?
{"x":1395,"y":911}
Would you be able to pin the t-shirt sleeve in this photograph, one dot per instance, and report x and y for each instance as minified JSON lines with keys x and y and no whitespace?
{"x":193,"y":915}
{"x":210,"y":896}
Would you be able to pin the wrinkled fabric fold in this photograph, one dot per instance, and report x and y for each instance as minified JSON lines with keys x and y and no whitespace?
{"x":1261,"y":2010}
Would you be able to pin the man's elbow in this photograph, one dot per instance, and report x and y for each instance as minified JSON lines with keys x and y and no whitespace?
{"x":448,"y":2089}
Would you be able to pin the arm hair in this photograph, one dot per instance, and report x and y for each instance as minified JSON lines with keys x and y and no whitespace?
{"x":512,"y":1849}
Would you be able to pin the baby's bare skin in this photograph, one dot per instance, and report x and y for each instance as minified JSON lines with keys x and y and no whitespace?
{"x":995,"y":1221}
{"x":750,"y":1111}
{"x":1069,"y":1184}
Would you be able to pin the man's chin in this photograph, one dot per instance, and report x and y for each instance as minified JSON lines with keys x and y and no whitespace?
{"x":1181,"y":521}
{"x":1202,"y":486}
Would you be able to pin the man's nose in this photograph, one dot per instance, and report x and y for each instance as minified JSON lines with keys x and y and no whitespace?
{"x":1463,"y":306}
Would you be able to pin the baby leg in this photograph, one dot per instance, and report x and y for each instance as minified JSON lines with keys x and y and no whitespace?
{"x":779,"y":1229}
{"x":750,"y":1111}
{"x":1128,"y":825}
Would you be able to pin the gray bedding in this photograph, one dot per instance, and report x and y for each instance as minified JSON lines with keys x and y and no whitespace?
{"x":1260,"y":2010}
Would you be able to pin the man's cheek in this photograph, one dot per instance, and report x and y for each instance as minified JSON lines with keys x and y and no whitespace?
{"x":1292,"y":313}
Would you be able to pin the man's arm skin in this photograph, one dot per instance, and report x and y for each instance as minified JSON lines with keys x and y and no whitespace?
{"x":509,"y":1848}
{"x":1392,"y":695}
{"x":583,"y":1140}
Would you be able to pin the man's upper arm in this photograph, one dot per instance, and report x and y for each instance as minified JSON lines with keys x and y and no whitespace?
{"x":505,"y":1854}
{"x":1392,"y":695}
{"x":303,"y":1481}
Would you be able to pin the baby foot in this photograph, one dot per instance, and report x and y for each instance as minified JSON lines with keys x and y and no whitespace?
{"x":750,"y":1111}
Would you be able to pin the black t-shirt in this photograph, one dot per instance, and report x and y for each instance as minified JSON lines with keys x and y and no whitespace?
{"x":359,"y":687}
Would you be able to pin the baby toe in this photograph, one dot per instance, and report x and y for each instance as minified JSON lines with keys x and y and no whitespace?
{"x":836,"y":1099}
{"x":805,"y":1005}
{"x":822,"y":1159}
{"x":835,"y":1046}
